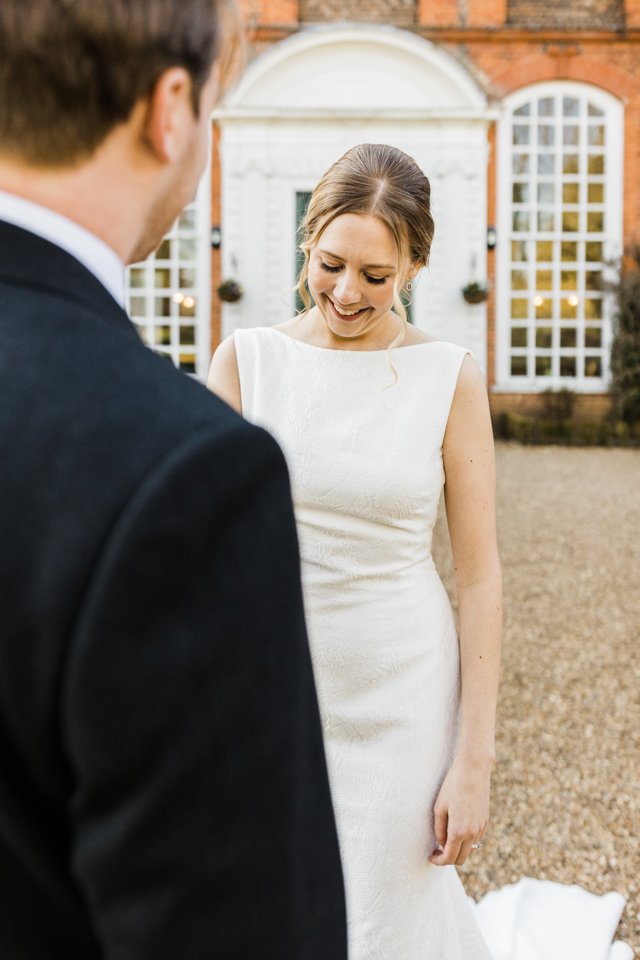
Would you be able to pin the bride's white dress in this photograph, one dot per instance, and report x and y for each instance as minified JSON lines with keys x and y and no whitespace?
{"x":365,"y":455}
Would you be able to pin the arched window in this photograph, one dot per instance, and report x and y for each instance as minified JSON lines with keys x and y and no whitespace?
{"x":560,"y":191}
{"x":168,"y":295}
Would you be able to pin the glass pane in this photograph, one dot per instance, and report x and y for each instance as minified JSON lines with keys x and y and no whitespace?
{"x":162,"y":306}
{"x":187,"y":248}
{"x":543,"y":366}
{"x":519,"y":336}
{"x":593,"y":337}
{"x":568,"y":337}
{"x":571,"y":136}
{"x":593,"y":280}
{"x":142,"y":333}
{"x":570,"y":106}
{"x":137,"y":306}
{"x":544,"y":280}
{"x":187,"y":336}
{"x":571,"y":193}
{"x":592,"y":367}
{"x":523,"y":111}
{"x":544,"y":251}
{"x":543,"y":308}
{"x":594,"y":251}
{"x":518,"y":250}
{"x":568,"y":251}
{"x":545,"y":220}
{"x":594,"y":111}
{"x":571,"y":163}
{"x":162,"y":278}
{"x":567,"y":366}
{"x":164,"y":250}
{"x":569,"y":279}
{"x":187,"y":363}
{"x":187,"y":279}
{"x":546,"y":107}
{"x":188,"y":307}
{"x":519,"y":280}
{"x":595,"y":222}
{"x":136,"y":277}
{"x":162,"y":336}
{"x":595,"y":136}
{"x":521,"y":134}
{"x":518,"y":366}
{"x":520,"y":192}
{"x":519,"y":309}
{"x":546,"y":163}
{"x":520,"y":163}
{"x":596,"y":163}
{"x":570,"y":222}
{"x":543,"y":338}
{"x":593,"y":309}
{"x":520,"y":220}
{"x":187,"y":220}
{"x":569,"y":308}
{"x":595,"y":193}
{"x":546,"y":193}
{"x":546,"y":135}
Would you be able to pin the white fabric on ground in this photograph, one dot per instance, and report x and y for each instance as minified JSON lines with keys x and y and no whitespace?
{"x":540,"y":920}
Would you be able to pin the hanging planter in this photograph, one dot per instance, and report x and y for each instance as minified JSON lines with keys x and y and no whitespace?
{"x":475,"y":292}
{"x":230,"y":291}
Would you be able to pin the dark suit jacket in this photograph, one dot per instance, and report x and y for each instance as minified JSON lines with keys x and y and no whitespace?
{"x":163,"y":789}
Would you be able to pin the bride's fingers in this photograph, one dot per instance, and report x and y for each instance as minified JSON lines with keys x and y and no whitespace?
{"x":463,"y":853}
{"x":441,"y":819}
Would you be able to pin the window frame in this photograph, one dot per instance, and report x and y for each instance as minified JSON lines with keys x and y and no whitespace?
{"x":147,"y":323}
{"x":612,"y":237}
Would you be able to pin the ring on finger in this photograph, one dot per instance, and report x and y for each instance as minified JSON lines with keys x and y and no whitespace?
{"x":477,"y":845}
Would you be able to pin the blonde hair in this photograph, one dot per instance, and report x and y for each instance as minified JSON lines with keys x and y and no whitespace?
{"x":381,"y":181}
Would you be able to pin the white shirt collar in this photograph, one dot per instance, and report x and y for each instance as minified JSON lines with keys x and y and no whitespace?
{"x":93,"y":253}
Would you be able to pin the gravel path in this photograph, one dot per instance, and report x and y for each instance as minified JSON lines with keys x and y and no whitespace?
{"x":566,"y":789}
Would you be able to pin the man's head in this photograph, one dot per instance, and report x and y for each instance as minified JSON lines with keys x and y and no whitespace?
{"x":70,"y":70}
{"x":77,"y":76}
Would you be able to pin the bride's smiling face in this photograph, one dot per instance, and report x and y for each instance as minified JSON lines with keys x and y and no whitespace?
{"x":352,"y":270}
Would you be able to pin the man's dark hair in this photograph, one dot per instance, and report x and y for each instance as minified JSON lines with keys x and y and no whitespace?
{"x":71,"y":70}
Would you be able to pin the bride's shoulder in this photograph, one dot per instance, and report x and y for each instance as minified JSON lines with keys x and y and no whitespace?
{"x":414,"y":336}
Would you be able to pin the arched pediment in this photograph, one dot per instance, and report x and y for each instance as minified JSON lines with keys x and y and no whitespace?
{"x":355,"y":69}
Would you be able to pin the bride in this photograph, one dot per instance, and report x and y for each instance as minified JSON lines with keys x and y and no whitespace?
{"x":375,"y":417}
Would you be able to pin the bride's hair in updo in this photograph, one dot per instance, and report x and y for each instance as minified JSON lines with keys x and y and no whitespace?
{"x":384,"y":182}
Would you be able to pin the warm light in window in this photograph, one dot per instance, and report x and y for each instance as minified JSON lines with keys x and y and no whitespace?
{"x":188,"y":303}
{"x":178,"y":297}
{"x":573,"y":301}
{"x":538,"y":301}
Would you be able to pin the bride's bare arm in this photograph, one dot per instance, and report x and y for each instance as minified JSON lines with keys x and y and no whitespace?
{"x":462,"y":808}
{"x":223,"y":378}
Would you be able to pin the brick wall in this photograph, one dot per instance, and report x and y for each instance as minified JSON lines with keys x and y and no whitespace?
{"x":585,"y":14}
{"x":398,"y":13}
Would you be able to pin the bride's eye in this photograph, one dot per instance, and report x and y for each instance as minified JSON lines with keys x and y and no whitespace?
{"x":375,"y":279}
{"x":328,"y":268}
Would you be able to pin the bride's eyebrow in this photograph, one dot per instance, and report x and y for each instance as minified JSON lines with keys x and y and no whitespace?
{"x":367,"y":266}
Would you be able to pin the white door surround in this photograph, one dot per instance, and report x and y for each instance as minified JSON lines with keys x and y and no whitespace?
{"x":305,"y":101}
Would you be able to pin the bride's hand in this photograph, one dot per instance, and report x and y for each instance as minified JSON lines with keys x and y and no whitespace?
{"x":461,"y":811}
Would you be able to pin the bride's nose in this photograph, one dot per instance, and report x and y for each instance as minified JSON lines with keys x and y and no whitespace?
{"x":347,"y":289}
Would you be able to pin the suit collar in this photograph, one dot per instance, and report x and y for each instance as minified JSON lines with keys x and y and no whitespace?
{"x":37,"y":264}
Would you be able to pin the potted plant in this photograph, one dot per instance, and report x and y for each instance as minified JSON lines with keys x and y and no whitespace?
{"x":230,"y":291}
{"x":475,"y":292}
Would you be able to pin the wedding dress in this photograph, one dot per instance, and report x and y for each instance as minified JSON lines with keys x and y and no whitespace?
{"x":363,"y":433}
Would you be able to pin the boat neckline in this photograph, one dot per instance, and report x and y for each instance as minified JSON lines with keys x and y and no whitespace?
{"x":313,"y":346}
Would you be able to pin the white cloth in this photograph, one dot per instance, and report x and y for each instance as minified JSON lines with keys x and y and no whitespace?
{"x":365,"y":456}
{"x":541,"y":920}
{"x":92,"y":252}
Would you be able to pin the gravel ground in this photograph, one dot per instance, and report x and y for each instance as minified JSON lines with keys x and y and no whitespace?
{"x":566,"y":789}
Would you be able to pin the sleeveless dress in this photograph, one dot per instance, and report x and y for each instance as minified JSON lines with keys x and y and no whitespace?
{"x":365,"y":454}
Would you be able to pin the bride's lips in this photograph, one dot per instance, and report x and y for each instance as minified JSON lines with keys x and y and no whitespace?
{"x":342,"y":316}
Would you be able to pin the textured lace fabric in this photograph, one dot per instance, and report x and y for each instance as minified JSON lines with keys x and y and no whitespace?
{"x":365,"y":455}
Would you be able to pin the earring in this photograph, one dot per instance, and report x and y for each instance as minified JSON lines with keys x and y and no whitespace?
{"x":409,"y":286}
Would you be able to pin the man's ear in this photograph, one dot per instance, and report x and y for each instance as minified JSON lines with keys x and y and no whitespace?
{"x":169,"y":114}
